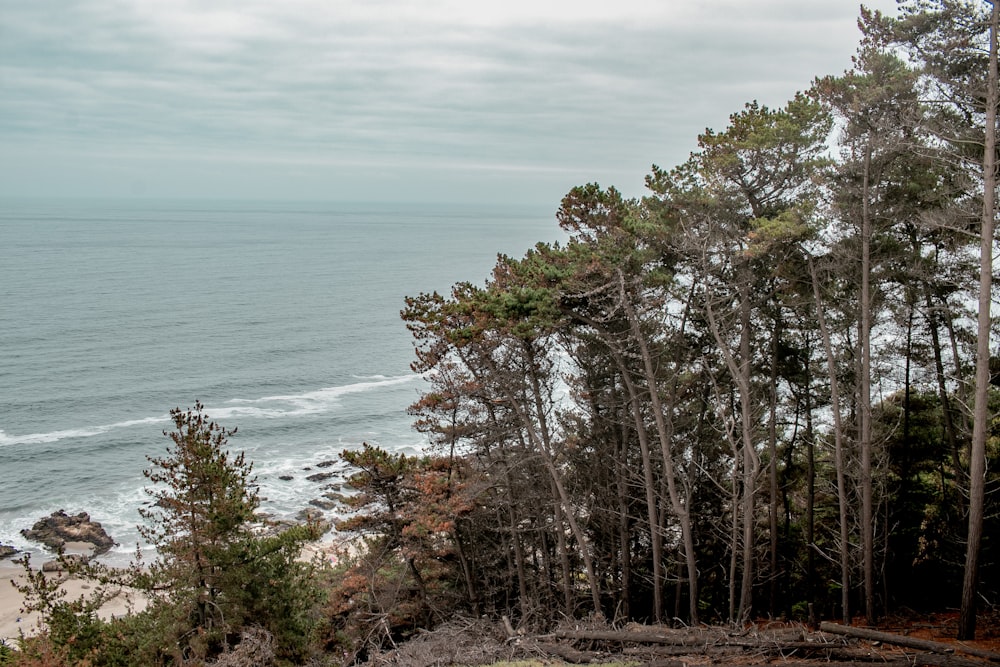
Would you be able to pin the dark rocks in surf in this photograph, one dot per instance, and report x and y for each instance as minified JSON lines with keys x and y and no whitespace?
{"x":59,"y":528}
{"x":7,"y":551}
{"x":320,"y":476}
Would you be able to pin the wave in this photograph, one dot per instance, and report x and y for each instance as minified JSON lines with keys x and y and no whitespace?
{"x":268,"y":407}
{"x":85,"y":432}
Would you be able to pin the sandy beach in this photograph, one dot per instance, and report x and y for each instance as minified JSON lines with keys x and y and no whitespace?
{"x":14,"y":622}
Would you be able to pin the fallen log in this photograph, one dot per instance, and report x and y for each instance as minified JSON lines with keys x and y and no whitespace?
{"x":632,"y":637}
{"x":567,"y":653}
{"x":909,"y":642}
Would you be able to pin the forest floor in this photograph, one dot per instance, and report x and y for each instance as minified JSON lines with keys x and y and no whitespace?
{"x":917,"y":640}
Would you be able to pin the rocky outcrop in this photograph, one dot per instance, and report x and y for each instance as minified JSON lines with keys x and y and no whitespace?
{"x":6,"y":551}
{"x":58,"y":529}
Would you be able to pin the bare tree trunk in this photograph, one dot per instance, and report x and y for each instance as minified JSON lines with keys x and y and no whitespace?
{"x":624,"y":537}
{"x":751,"y":462}
{"x":544,"y":444}
{"x":655,"y":535}
{"x":838,"y":440}
{"x":810,"y":482}
{"x":977,"y":463}
{"x":864,"y":396}
{"x":772,"y":470}
{"x":946,"y":409}
{"x":664,"y":432}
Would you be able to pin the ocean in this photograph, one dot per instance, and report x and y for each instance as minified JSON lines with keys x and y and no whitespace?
{"x":281,"y":318}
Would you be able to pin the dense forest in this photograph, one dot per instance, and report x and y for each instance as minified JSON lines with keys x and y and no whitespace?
{"x":762,"y":390}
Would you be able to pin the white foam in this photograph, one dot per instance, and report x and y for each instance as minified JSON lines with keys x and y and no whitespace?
{"x":267,"y":407}
{"x":306,"y":403}
{"x":85,"y":432}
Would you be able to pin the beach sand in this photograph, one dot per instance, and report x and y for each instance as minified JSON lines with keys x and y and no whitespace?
{"x":13,"y":622}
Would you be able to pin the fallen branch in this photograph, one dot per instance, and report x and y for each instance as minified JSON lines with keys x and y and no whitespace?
{"x":909,"y":642}
{"x":632,"y":637}
{"x":567,"y":653}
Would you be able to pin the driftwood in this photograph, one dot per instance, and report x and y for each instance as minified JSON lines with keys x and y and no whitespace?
{"x":908,"y":642}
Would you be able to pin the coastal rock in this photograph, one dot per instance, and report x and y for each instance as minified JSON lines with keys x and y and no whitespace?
{"x":309,"y":515}
{"x":320,"y":476}
{"x":285,"y":478}
{"x":326,"y":464}
{"x":7,"y":551}
{"x":56,"y":530}
{"x":322,"y":504}
{"x":64,"y":563}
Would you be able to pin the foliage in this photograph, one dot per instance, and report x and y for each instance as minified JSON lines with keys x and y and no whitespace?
{"x":407,"y":575}
{"x":214,"y":584}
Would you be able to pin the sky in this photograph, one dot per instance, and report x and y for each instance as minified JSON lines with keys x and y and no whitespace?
{"x":398,"y":100}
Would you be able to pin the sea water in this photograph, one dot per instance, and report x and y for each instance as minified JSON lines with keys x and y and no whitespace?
{"x":282,"y":319}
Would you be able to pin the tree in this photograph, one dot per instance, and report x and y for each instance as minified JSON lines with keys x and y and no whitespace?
{"x":213,"y":576}
{"x":955,"y":42}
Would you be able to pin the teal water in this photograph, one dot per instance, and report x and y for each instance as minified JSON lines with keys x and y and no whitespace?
{"x":283,"y":319}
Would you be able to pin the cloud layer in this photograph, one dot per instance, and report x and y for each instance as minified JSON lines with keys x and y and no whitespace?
{"x":432,"y":100}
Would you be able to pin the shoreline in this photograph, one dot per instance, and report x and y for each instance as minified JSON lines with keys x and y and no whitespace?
{"x":13,"y":622}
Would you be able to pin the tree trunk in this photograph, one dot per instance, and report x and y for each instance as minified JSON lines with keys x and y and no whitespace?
{"x":740,"y":373}
{"x":864,"y":396}
{"x":664,"y":432}
{"x":772,"y":470}
{"x":980,"y":415}
{"x":642,"y":435}
{"x":838,"y":440}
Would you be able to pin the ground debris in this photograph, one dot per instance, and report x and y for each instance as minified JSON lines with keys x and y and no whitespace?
{"x":594,"y":641}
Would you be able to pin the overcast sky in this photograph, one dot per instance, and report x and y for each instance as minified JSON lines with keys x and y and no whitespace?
{"x":401,"y":100}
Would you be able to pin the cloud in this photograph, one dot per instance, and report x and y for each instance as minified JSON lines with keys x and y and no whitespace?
{"x":555,"y":90}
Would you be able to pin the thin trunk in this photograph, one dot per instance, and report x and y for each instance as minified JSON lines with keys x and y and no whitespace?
{"x":942,"y":386}
{"x":864,"y":396}
{"x":624,"y":537}
{"x":772,"y":470}
{"x":810,"y":484}
{"x":980,"y":416}
{"x":740,"y":373}
{"x":655,"y":534}
{"x":838,"y":440}
{"x":544,"y":446}
{"x":515,"y":534}
{"x":751,"y":463}
{"x":665,"y":434}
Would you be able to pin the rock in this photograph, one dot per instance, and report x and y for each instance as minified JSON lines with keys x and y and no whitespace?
{"x":308,"y":514}
{"x":64,"y":563}
{"x":7,"y":551}
{"x":59,"y":528}
{"x":320,"y":476}
{"x":326,"y":464}
{"x":285,"y":478}
{"x":322,"y":504}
